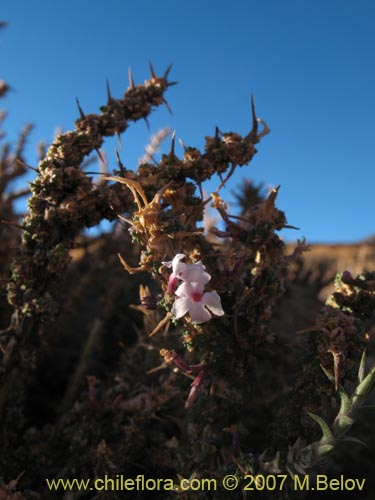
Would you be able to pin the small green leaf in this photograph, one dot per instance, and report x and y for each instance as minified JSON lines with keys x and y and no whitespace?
{"x":361,"y":370}
{"x":344,"y":401}
{"x":344,"y":398}
{"x":342,"y":424}
{"x":327,"y":437}
{"x":363,"y":389}
{"x":324,"y":449}
{"x":351,"y":439}
{"x":328,"y":374}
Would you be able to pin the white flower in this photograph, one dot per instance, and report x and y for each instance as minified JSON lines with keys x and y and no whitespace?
{"x":192,"y":299}
{"x":192,"y":273}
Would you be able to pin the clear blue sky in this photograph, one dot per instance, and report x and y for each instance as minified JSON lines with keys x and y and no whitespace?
{"x":309,"y":64}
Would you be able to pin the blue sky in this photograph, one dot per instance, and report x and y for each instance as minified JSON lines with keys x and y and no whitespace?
{"x":309,"y":65}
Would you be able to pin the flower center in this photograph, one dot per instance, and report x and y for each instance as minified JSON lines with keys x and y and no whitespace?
{"x":196,"y":297}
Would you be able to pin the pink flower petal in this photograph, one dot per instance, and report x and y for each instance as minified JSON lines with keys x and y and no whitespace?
{"x":175,"y":261}
{"x":188,"y":272}
{"x":172,"y":283}
{"x":187,"y":289}
{"x":178,"y":267}
{"x":180,"y":307}
{"x":196,"y":273}
{"x":212,"y":301}
{"x":198,"y":313}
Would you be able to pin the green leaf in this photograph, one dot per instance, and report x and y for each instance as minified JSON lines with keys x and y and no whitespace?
{"x":324,"y":449}
{"x":327,"y":437}
{"x":345,"y":402}
{"x":363,"y":389}
{"x":361,"y":370}
{"x":342,"y":424}
{"x":328,"y":374}
{"x":351,"y":439}
{"x":344,"y":398}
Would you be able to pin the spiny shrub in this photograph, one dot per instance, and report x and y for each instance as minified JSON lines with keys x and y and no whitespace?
{"x":191,"y":377}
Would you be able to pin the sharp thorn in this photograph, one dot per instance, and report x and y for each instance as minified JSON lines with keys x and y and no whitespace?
{"x":147,"y":123}
{"x":201,"y":190}
{"x":108,"y":92}
{"x":119,"y":162}
{"x":167,"y":72}
{"x":253,"y":113}
{"x":182,"y":145}
{"x":23,"y":164}
{"x":171,"y":153}
{"x":167,"y":106}
{"x":14,"y":224}
{"x":153,"y":76}
{"x":80,"y":110}
{"x":151,"y":157}
{"x":100,"y":155}
{"x":170,"y":84}
{"x":119,"y":139}
{"x":131,"y":81}
{"x":254,"y":128}
{"x":217,"y":132}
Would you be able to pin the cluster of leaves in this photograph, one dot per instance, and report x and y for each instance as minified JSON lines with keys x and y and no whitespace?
{"x":220,"y":394}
